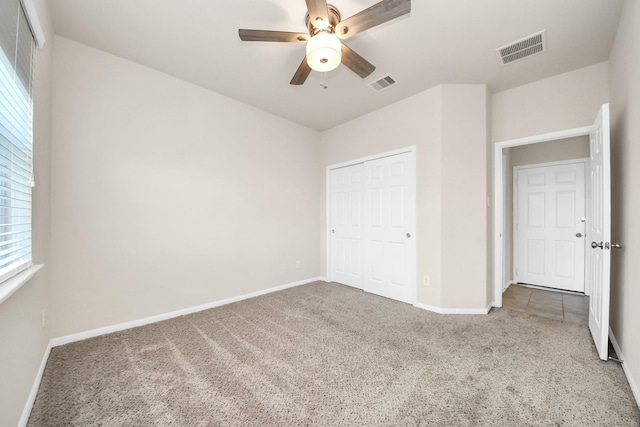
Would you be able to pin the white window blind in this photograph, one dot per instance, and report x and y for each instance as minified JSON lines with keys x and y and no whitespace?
{"x":16,"y":138}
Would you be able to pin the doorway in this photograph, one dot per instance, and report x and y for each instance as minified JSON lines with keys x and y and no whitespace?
{"x":371,"y":224}
{"x":598,"y":220}
{"x":535,"y":149}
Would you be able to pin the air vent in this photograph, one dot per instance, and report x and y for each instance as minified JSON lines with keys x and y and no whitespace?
{"x":523,"y":48}
{"x":383,"y":83}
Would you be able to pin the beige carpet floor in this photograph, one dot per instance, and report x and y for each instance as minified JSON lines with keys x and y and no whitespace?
{"x":326,"y":354}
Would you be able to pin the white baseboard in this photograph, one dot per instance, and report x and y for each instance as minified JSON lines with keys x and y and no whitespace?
{"x":26,"y":412}
{"x":66,"y":339}
{"x":627,"y":371}
{"x":440,"y":310}
{"x":506,"y":286}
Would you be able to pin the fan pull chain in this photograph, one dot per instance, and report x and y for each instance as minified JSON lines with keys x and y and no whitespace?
{"x":323,"y":80}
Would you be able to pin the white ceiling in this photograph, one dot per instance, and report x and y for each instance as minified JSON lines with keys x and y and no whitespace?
{"x":440,"y":41}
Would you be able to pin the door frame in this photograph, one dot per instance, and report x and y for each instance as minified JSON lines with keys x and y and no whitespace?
{"x":498,"y":197}
{"x":514,"y":199}
{"x":412,"y":158}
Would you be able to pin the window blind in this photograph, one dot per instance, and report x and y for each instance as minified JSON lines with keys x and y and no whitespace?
{"x":16,"y":138}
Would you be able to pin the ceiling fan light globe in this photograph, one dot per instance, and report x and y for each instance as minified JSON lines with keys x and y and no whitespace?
{"x":324,"y":52}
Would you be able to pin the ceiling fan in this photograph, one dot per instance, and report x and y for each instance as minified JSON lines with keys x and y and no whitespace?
{"x":325,"y":51}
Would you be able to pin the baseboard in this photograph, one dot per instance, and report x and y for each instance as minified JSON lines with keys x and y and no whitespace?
{"x":66,"y":339}
{"x":509,"y":283}
{"x":26,"y":412}
{"x":324,"y":279}
{"x":440,"y":310}
{"x":627,"y":371}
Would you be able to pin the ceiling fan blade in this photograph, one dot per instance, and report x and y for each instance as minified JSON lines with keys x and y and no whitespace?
{"x":302,"y":73}
{"x":377,"y":14}
{"x":317,"y":9}
{"x":272,"y":36}
{"x":355,"y":62}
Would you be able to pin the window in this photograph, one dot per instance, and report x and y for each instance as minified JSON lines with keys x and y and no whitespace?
{"x":16,"y":138}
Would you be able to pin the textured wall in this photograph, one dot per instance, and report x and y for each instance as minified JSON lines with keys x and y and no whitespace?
{"x":167,"y":196}
{"x":558,"y":103}
{"x":624,"y":79}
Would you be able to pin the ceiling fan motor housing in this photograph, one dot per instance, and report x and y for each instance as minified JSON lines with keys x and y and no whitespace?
{"x":317,"y":25}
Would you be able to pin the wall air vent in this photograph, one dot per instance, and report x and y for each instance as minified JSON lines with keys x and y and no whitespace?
{"x":383,"y":83}
{"x":536,"y":43}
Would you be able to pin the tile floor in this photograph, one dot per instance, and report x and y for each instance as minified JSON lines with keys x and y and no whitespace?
{"x":553,"y":305}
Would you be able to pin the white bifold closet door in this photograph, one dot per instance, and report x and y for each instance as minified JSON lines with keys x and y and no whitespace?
{"x":347,"y":187}
{"x":373,"y":217}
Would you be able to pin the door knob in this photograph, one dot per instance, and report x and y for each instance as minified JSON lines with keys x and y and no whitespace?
{"x":616,"y":245}
{"x":578,"y":234}
{"x":408,"y":235}
{"x":597,"y":245}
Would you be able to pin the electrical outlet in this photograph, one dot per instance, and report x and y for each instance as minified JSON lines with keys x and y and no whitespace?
{"x":298,"y":264}
{"x":426,"y":280}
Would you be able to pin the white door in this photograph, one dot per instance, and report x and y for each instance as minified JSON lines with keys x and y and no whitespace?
{"x":389,"y":221}
{"x":549,"y":233}
{"x":600,"y":233}
{"x":347,"y":189}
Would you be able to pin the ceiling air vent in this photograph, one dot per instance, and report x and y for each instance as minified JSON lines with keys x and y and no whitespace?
{"x":383,"y":83}
{"x":522,"y":48}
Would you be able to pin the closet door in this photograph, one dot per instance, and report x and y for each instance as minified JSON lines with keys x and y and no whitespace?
{"x":346,"y":225}
{"x":389,"y":255}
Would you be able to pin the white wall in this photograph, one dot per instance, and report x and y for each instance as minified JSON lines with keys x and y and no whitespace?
{"x":464,"y":197}
{"x":167,"y":196}
{"x":558,"y":103}
{"x":450,"y":191}
{"x":624,"y":81}
{"x":550,"y":151}
{"x":489,"y":194}
{"x":23,"y":338}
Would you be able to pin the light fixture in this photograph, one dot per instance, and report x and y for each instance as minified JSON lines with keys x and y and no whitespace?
{"x":320,"y":24}
{"x":324,"y":51}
